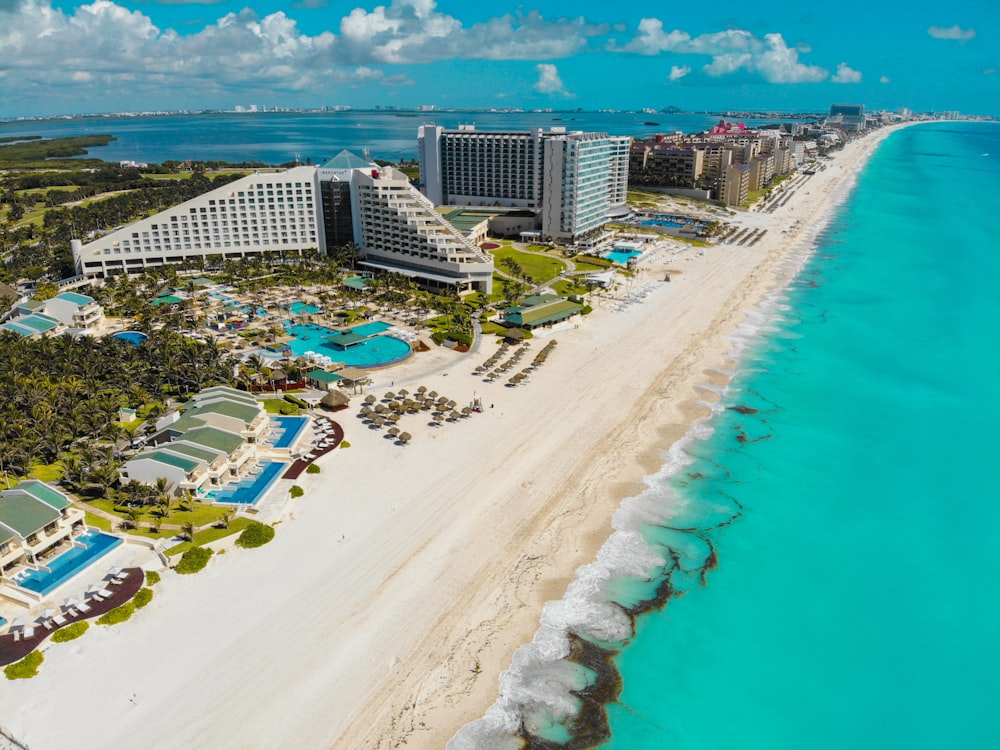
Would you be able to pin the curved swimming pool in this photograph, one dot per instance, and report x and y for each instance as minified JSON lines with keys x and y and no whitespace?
{"x":375,"y":351}
{"x":133,"y":337}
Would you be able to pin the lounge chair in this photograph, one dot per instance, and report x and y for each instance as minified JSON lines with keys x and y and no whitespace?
{"x":28,"y":632}
{"x":17,"y":635}
{"x":47,"y":624}
{"x":59,"y":620}
{"x":83,"y":607}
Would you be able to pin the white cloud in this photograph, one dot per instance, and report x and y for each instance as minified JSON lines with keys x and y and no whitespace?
{"x":412,"y":31}
{"x":846,"y":74}
{"x":123,"y":53}
{"x":677,"y":72}
{"x":549,"y":81}
{"x":885,"y":79}
{"x":955,"y":33}
{"x":730,"y":51}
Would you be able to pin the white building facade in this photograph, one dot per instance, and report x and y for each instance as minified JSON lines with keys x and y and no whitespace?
{"x":263,"y":213}
{"x":575,"y":180}
{"x":397,"y":229}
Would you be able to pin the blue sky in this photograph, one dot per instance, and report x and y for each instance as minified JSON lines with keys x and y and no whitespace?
{"x":59,"y":56}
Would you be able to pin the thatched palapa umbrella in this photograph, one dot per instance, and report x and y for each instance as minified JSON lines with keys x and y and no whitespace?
{"x":405,"y":437}
{"x":335,"y":399}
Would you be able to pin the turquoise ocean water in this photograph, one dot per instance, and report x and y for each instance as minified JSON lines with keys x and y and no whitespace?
{"x":834,"y":529}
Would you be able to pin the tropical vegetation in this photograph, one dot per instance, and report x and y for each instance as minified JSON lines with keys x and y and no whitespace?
{"x":117,"y":615}
{"x":193,"y":560}
{"x":71,"y":632}
{"x":27,"y":667}
{"x":256,"y":534}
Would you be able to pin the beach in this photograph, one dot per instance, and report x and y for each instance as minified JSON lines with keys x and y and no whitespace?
{"x":398,"y":587}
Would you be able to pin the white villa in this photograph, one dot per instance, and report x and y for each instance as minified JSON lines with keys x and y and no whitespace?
{"x":216,"y":438}
{"x":68,"y":312}
{"x":35,"y":520}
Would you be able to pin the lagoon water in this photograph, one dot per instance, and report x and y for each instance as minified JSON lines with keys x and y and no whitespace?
{"x":280,"y":137}
{"x":855,"y":599}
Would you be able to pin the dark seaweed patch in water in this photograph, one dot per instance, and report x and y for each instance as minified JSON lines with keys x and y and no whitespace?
{"x":739,"y":409}
{"x":590,"y":726}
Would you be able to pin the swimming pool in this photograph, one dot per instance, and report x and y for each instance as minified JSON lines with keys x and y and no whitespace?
{"x":667,"y":220}
{"x":376,"y":351}
{"x":370,"y":329}
{"x":621,"y":257}
{"x":302,"y":308}
{"x":249,"y":491}
{"x":60,"y":569}
{"x":133,"y":337}
{"x":289,"y":430}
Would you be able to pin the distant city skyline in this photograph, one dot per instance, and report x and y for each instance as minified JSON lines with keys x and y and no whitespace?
{"x":64,"y":57}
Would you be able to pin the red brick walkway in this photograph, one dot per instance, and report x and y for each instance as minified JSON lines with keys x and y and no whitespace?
{"x":12,"y":651}
{"x":335,"y":439}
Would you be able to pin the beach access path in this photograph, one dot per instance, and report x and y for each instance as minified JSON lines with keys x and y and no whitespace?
{"x":397,"y":588}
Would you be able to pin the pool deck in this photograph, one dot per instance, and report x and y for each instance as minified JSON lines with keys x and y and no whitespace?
{"x":12,"y":651}
{"x":300,"y":464}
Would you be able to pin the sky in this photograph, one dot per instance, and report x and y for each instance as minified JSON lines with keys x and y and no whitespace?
{"x":65,"y":57}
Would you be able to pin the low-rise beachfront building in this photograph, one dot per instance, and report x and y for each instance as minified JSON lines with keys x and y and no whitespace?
{"x":34,"y":326}
{"x":212,"y":440}
{"x":35,"y":518}
{"x":540,"y":310}
{"x":68,"y":312}
{"x":322,"y":380}
{"x":77,"y":311}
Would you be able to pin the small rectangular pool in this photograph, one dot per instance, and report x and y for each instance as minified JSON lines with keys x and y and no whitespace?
{"x":289,"y":429}
{"x":96,"y":544}
{"x":621,"y":257}
{"x":249,"y":491}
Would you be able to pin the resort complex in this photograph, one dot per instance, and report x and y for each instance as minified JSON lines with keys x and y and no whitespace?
{"x":423,"y":397}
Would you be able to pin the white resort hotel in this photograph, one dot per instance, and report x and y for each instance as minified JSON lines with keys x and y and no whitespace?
{"x":553,"y":184}
{"x":392,"y":226}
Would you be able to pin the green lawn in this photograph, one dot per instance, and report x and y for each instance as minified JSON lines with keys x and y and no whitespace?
{"x":47,"y":472}
{"x":540,"y":268}
{"x":592,"y":263}
{"x":200,"y":513}
{"x":98,"y":522}
{"x":566,"y":287}
{"x":210,"y":535}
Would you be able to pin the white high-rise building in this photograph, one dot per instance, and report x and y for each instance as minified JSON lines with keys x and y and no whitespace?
{"x":575,"y":180}
{"x":392,"y":226}
{"x":397,"y":229}
{"x":261,"y":214}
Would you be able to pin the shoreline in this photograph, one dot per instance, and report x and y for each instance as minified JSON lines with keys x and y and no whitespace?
{"x":362,"y":625}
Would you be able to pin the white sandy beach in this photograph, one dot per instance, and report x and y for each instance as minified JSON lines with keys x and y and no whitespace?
{"x":403,"y":568}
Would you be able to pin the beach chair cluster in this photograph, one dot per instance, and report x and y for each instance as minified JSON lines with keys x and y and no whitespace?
{"x":324,"y":440}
